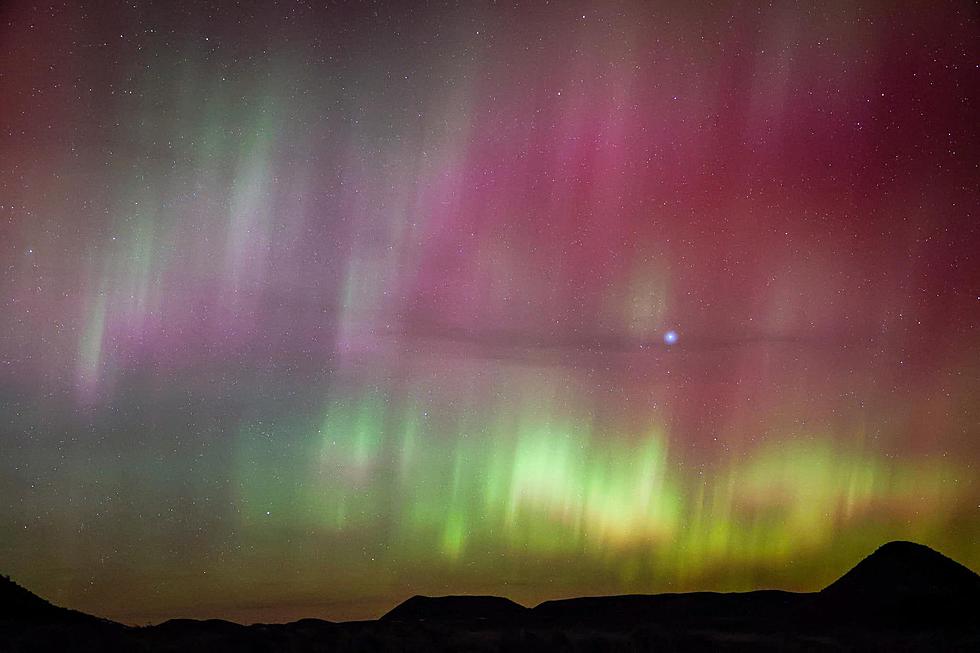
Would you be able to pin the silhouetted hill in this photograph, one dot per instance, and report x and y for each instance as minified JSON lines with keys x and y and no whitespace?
{"x":29,"y":623}
{"x":906,"y":584}
{"x":672,"y":609}
{"x":906,"y":568}
{"x":15,"y":601}
{"x":902,"y":597}
{"x":455,"y":608}
{"x":20,"y":604}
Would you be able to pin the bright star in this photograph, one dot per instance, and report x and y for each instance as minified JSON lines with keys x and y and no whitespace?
{"x":670,"y":337}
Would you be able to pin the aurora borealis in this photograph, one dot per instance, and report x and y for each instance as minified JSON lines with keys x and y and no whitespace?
{"x":306,"y":310}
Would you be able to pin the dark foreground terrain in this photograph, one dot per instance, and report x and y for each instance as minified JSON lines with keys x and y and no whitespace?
{"x":903,"y":597}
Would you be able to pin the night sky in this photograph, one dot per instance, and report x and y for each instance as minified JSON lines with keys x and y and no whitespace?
{"x":304,"y":310}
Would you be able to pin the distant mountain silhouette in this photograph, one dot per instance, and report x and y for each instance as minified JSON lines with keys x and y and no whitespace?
{"x":906,"y":584}
{"x":906,"y":568}
{"x":706,"y":608}
{"x":18,"y":603}
{"x":455,"y":608}
{"x":902,"y":597}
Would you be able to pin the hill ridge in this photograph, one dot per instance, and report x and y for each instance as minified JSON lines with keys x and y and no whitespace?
{"x":933,"y":609}
{"x":905,"y":567}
